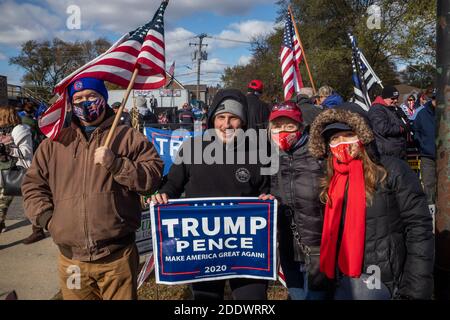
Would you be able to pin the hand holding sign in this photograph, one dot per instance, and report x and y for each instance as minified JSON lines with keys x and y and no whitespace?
{"x":159,"y":198}
{"x":266,"y":197}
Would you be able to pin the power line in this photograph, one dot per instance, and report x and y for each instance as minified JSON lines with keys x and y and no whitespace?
{"x":219,"y":64}
{"x":230,"y":40}
{"x":204,"y":81}
{"x":186,"y":74}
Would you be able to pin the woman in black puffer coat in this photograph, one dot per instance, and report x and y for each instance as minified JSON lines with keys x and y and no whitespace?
{"x":377,"y":240}
{"x":300,"y":213}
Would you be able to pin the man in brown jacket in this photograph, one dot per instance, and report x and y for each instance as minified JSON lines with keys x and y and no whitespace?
{"x":87,"y":196}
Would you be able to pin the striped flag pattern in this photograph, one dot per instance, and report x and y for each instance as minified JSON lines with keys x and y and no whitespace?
{"x":290,"y":58}
{"x":52,"y":120}
{"x":171,"y":73}
{"x":146,"y":270}
{"x":142,"y":48}
{"x":281,"y":277}
{"x":363,"y":77}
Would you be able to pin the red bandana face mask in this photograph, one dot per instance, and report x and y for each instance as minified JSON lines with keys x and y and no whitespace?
{"x":285,"y":140}
{"x":341,"y":151}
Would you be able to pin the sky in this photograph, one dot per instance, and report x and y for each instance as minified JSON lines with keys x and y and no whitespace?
{"x":184,"y":19}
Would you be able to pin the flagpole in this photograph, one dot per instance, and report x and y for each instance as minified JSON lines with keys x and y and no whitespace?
{"x":303,"y":51}
{"x":122,"y":106}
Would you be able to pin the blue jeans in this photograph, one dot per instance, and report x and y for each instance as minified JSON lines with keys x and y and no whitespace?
{"x":297,"y":281}
{"x":357,"y":289}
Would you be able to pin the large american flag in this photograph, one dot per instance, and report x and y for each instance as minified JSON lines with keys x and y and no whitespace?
{"x":363,"y":76}
{"x":290,"y":57}
{"x":142,"y":48}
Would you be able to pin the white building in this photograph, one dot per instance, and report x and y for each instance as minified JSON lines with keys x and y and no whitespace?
{"x":173,"y":95}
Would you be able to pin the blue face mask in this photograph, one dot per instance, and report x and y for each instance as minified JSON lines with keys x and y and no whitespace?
{"x":89,"y":111}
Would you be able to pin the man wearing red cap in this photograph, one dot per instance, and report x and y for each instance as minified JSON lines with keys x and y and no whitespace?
{"x":258,"y":111}
{"x":388,"y":125}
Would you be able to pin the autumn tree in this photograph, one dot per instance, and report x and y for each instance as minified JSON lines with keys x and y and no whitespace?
{"x":47,"y":62}
{"x":420,"y":75}
{"x":406,"y":36}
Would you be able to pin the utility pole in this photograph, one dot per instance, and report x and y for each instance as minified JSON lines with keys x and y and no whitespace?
{"x":199,"y":55}
{"x":442,"y":266}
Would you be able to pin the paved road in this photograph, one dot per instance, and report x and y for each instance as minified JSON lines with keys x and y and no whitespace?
{"x":29,"y":269}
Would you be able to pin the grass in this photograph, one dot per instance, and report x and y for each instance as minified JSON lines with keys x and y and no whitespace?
{"x":152,"y":291}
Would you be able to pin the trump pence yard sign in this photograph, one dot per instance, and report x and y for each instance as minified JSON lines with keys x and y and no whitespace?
{"x":214,"y":238}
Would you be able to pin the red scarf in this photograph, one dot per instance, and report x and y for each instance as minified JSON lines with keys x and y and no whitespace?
{"x":351,"y":251}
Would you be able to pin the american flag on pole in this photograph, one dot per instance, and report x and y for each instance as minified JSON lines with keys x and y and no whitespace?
{"x":290,"y":58}
{"x":146,"y":270}
{"x":281,"y":277}
{"x":142,"y":48}
{"x":363,"y":77}
{"x":171,"y":73}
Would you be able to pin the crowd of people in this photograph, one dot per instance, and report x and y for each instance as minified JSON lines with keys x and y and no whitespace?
{"x":19,"y":138}
{"x":347,"y":198}
{"x":149,"y":114}
{"x":329,"y":234}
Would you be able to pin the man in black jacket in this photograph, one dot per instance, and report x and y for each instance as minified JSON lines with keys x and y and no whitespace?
{"x":125,"y":117}
{"x":199,"y":178}
{"x":186,"y":118}
{"x":389,"y":128}
{"x":309,"y":110}
{"x":425,"y":134}
{"x":258,"y":111}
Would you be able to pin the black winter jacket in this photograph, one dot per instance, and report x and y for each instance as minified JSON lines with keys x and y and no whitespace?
{"x":297,"y":188}
{"x":399,"y":237}
{"x":389,"y":131}
{"x":425,"y":130}
{"x":258,"y":112}
{"x":309,"y":110}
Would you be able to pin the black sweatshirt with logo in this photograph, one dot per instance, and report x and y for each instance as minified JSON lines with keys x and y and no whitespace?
{"x":218,"y":179}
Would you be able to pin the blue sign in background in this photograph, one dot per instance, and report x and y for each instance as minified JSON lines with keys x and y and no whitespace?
{"x":167,"y":143}
{"x":248,"y":254}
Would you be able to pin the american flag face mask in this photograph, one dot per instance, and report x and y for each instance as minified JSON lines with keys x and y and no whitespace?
{"x":89,"y":111}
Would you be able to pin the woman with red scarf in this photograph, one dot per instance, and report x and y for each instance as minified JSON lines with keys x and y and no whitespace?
{"x":377,"y":237}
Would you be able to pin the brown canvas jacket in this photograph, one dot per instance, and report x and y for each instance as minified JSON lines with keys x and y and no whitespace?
{"x":93,"y":210}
